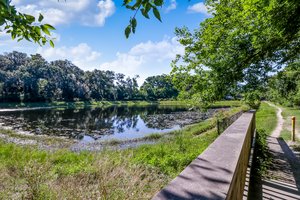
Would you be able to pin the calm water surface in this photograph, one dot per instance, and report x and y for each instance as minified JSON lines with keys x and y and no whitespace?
{"x":89,"y":124}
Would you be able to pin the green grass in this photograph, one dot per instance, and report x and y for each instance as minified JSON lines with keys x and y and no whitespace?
{"x":287,"y":113}
{"x":138,"y":173}
{"x":153,"y":136}
{"x":231,"y":103}
{"x":285,"y":135}
{"x":173,"y":155}
{"x":266,"y":121}
{"x":266,"y":118}
{"x":217,"y":104}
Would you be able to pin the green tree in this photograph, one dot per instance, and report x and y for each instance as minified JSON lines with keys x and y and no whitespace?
{"x":284,"y":87}
{"x":242,"y":42}
{"x":159,"y":87}
{"x":29,"y":79}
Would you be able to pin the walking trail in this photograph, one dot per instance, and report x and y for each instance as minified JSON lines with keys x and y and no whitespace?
{"x":283,"y":181}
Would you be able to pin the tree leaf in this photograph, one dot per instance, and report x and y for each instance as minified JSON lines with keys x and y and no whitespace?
{"x":41,"y":17}
{"x":133,"y":24}
{"x":156,"y":13}
{"x":4,"y":3}
{"x":48,"y":26}
{"x":51,"y":43}
{"x":29,"y":18}
{"x":144,"y":13}
{"x":125,"y":2}
{"x":158,"y":2}
{"x":147,"y":7}
{"x":130,"y":7}
{"x":137,"y":4}
{"x":127,"y":31}
{"x":45,"y":29}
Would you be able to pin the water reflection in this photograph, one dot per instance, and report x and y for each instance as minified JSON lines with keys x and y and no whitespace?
{"x":102,"y":123}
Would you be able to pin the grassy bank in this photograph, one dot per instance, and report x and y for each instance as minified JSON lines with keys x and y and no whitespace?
{"x":218,"y":104}
{"x":80,"y":104}
{"x":30,"y":173}
{"x":77,"y":104}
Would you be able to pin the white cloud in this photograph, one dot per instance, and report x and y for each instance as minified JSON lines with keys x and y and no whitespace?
{"x":65,"y":12}
{"x":146,"y":59}
{"x":15,"y":2}
{"x":158,"y":51}
{"x":51,"y":15}
{"x":107,"y":8}
{"x":6,"y":39}
{"x":171,"y":6}
{"x":198,"y":8}
{"x":81,"y":55}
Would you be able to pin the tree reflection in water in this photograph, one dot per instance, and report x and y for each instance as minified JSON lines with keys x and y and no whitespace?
{"x":97,"y":122}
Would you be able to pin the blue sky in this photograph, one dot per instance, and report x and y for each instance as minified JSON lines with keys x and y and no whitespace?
{"x":90,"y":33}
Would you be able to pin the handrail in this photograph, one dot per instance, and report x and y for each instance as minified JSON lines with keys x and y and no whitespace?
{"x":220,"y":171}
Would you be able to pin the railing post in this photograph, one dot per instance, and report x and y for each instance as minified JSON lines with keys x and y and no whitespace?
{"x":293,"y":128}
{"x":218,"y":126}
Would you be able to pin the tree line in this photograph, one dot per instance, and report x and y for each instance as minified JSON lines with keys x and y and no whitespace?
{"x":31,"y":78}
{"x":284,"y":87}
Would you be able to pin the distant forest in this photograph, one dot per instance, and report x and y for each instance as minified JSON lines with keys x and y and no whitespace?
{"x":26,"y":78}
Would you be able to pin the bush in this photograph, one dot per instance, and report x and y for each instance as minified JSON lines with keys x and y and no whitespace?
{"x":253,"y":99}
{"x":262,"y":157}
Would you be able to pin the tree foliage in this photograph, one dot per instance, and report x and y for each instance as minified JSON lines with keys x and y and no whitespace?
{"x":24,"y":26}
{"x":284,"y":87}
{"x":159,"y":87}
{"x":144,"y":7}
{"x":33,"y":79}
{"x":240,"y":44}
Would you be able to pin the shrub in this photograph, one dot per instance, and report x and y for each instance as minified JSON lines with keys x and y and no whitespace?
{"x":253,"y":99}
{"x":262,"y":157}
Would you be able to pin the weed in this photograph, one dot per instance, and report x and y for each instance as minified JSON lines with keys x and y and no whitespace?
{"x":262,"y":155}
{"x":153,"y":136}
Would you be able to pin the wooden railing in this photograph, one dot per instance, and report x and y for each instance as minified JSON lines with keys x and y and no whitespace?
{"x":220,"y":171}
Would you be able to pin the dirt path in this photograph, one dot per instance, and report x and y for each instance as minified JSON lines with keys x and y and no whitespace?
{"x":280,"y":121}
{"x":283,"y":181}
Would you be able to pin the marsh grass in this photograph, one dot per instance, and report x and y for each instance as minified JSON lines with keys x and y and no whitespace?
{"x":153,"y":136}
{"x":34,"y":174}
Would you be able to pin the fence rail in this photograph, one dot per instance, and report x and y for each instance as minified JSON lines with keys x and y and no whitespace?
{"x":223,"y":124}
{"x":220,"y":171}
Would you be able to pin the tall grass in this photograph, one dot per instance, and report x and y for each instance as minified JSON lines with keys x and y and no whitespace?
{"x":29,"y":173}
